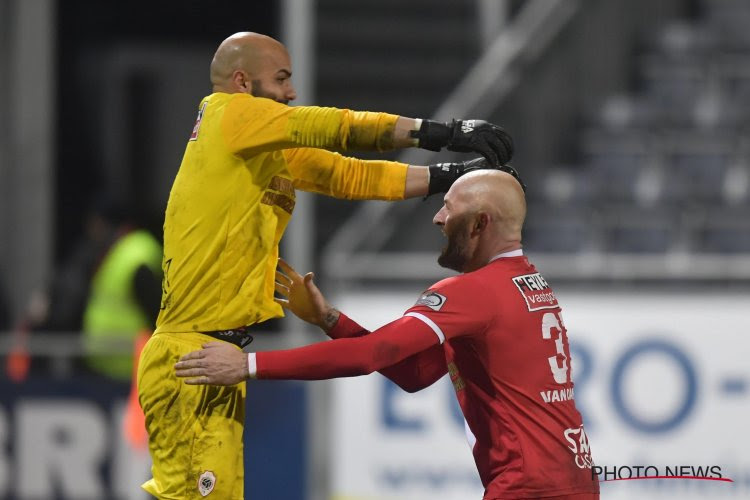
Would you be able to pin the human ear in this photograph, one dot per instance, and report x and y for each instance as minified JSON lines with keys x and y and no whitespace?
{"x":240,"y":80}
{"x":480,"y":222}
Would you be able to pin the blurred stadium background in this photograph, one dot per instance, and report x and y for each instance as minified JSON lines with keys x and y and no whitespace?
{"x":632,"y":125}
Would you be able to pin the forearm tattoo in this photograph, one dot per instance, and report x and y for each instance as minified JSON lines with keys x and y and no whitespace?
{"x":331,"y":318}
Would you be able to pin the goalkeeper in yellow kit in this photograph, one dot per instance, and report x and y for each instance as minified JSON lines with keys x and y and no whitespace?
{"x":228,"y":208}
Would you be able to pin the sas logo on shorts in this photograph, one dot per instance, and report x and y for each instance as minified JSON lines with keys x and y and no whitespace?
{"x":206,"y":483}
{"x":431,"y":299}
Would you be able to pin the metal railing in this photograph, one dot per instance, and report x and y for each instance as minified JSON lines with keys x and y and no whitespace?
{"x":486,"y":84}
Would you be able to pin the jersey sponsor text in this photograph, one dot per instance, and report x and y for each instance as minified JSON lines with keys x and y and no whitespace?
{"x":535,"y":291}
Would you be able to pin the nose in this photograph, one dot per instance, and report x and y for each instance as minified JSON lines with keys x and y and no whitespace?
{"x":291,"y":93}
{"x":439,"y":218}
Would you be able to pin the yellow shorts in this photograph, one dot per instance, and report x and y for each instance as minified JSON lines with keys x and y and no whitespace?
{"x":194,"y":432}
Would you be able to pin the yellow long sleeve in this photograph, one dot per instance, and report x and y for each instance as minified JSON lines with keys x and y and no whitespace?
{"x":340,"y":176}
{"x":253,"y":125}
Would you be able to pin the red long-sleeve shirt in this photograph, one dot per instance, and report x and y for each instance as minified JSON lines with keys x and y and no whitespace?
{"x":501,"y":336}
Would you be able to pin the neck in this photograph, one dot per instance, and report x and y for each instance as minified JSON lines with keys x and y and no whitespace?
{"x":484,"y":256}
{"x":511,"y":253}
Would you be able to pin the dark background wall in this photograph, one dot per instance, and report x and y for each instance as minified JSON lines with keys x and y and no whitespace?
{"x":131,"y":75}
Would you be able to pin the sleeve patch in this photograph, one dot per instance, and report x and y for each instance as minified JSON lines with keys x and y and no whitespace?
{"x":431,"y":299}
{"x":197,"y":126}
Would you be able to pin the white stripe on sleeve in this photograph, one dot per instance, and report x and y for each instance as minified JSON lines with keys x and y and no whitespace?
{"x":427,"y":321}
{"x":252,"y":366}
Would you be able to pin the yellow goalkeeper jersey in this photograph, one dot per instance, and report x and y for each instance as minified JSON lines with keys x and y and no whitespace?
{"x":234,"y":194}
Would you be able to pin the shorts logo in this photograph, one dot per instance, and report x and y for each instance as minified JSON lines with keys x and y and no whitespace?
{"x":206,"y":483}
{"x":578,"y":443}
{"x":535,"y":291}
{"x":431,"y":299}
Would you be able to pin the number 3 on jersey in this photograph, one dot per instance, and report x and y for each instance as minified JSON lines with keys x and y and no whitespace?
{"x":552,"y":324}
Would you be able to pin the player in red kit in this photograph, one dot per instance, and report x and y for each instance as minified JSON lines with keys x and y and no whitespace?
{"x":496,"y":329}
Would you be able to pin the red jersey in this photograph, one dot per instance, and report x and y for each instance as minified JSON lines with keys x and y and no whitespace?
{"x":505,"y":348}
{"x":507,"y":354}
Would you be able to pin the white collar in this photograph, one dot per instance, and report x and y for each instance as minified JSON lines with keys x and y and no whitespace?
{"x":513,"y":253}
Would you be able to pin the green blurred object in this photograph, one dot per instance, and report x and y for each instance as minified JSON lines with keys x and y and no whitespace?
{"x":113,"y":315}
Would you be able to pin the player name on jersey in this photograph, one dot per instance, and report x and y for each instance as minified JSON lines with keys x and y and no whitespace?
{"x":557,"y":395}
{"x":535,"y":291}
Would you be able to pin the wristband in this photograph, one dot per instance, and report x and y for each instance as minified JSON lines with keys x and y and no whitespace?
{"x":252,"y":366}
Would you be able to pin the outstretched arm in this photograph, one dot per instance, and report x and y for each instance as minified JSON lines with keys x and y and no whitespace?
{"x":332,"y":174}
{"x":304,"y":299}
{"x":347,"y":357}
{"x":407,"y":350}
{"x":221,"y":363}
{"x":252,"y":125}
{"x":412,"y":374}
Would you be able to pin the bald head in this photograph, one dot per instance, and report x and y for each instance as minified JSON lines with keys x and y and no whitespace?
{"x":496,"y":193}
{"x":482,"y":216}
{"x":255,"y":64}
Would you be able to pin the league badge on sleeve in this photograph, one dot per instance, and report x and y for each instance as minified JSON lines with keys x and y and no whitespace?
{"x":431,"y":299}
{"x":197,"y":126}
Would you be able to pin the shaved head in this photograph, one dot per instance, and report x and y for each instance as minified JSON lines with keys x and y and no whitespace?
{"x":255,"y":64}
{"x":498,"y":194}
{"x":482,"y":216}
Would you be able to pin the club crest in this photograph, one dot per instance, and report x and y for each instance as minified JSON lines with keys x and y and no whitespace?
{"x":206,"y":483}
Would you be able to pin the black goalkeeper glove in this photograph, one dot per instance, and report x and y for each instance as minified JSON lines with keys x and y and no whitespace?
{"x":465,"y":136}
{"x":443,"y":175}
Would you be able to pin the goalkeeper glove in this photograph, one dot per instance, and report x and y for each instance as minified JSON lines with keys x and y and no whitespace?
{"x":465,"y":136}
{"x":443,"y":175}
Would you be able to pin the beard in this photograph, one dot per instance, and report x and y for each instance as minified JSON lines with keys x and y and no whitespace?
{"x":257,"y":90}
{"x":456,"y":252}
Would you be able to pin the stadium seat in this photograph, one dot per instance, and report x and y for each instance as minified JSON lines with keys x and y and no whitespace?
{"x":696,"y":177}
{"x":552,"y":229}
{"x":725,"y":231}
